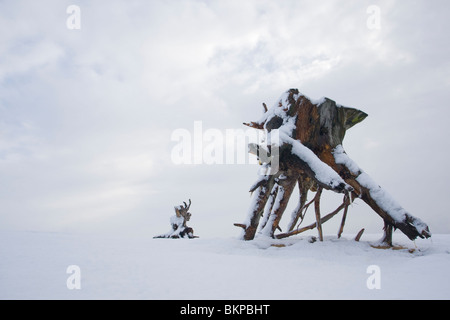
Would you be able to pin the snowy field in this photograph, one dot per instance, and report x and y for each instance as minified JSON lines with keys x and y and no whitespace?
{"x":34,"y":266}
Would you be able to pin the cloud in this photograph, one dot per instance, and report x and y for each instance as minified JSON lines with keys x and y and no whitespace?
{"x":87,"y":115}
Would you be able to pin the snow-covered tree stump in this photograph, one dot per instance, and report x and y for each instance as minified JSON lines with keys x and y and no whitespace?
{"x":178,"y":223}
{"x":310,"y":154}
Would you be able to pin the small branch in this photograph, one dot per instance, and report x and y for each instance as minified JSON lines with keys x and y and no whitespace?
{"x":240,"y":225}
{"x":262,"y":181}
{"x":304,"y":185}
{"x":312,"y":225}
{"x":257,"y":208}
{"x":388,"y":231}
{"x":262,"y":153}
{"x":269,"y":205}
{"x":254,"y":125}
{"x":317,"y":209}
{"x":279,"y":205}
{"x":304,"y":209}
{"x":344,"y":216}
{"x":360,"y":233}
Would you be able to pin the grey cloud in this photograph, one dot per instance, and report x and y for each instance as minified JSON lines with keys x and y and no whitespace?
{"x":86,"y":115}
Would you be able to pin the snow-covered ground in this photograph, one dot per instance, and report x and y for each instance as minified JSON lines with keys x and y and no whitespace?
{"x":34,"y":265}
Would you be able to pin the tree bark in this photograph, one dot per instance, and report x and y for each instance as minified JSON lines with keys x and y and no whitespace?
{"x":387,"y":237}
{"x":279,"y":206}
{"x":310,"y":133}
{"x":344,"y":217}
{"x":312,"y":225}
{"x":359,"y":235}
{"x":317,"y":209}
{"x":304,"y":184}
{"x":258,"y":208}
{"x":408,"y":224}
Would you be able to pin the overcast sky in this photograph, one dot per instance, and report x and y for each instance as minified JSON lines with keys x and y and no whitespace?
{"x":87,"y":115}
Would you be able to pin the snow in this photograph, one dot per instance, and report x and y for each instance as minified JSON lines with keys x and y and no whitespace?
{"x":280,"y":110}
{"x":254,"y":202}
{"x":381,"y":197}
{"x":323,"y":172}
{"x":178,"y":221}
{"x":267,"y":230}
{"x":341,"y":158}
{"x":317,"y":102}
{"x":34,"y":266}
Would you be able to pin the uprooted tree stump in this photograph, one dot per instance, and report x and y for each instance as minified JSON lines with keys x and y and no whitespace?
{"x":304,"y":147}
{"x":178,"y":223}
